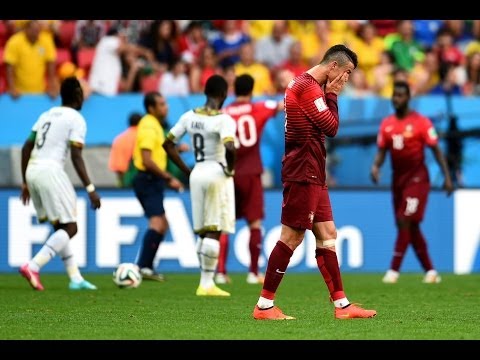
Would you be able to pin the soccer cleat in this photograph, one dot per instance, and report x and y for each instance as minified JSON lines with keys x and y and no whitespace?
{"x":32,"y":277}
{"x":273,"y":313}
{"x":82,"y":285}
{"x":253,"y":278}
{"x":221,"y":278}
{"x":211,"y":291}
{"x":432,"y":277}
{"x":391,"y":277}
{"x":354,"y":311}
{"x":149,"y":274}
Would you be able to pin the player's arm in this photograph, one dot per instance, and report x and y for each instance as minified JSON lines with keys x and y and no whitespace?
{"x":79,"y":165}
{"x":442,"y":162}
{"x":173,"y":153}
{"x":323,"y":114}
{"x":26,"y":152}
{"x":377,"y":164}
{"x":230,"y":156}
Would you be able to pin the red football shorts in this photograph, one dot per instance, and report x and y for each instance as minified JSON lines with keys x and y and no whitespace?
{"x":305,"y":204}
{"x":410,"y":201}
{"x":249,"y":200}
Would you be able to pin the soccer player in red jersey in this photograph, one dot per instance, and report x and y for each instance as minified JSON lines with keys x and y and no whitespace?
{"x":251,"y":118}
{"x":311,"y":113}
{"x":405,"y":135}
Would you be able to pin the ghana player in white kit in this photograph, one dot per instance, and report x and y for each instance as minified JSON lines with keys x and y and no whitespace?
{"x":56,"y":132}
{"x":211,"y":180}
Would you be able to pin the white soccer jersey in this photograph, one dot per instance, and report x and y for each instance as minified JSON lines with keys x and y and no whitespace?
{"x":51,"y":190}
{"x":211,"y":192}
{"x":207,"y":133}
{"x":55,"y":128}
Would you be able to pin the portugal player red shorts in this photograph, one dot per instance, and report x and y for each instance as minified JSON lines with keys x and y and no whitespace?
{"x":305,"y":204}
{"x":249,"y":197}
{"x":410,"y":201}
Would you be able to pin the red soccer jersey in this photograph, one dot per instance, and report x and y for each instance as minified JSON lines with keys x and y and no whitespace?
{"x":309,"y":116}
{"x":251,"y":118}
{"x":406,"y":140}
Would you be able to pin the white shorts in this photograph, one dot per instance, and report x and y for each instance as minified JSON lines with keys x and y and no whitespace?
{"x":213,"y":198}
{"x":52,"y":194}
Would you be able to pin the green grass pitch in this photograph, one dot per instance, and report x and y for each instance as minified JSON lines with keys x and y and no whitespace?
{"x":171,"y":311}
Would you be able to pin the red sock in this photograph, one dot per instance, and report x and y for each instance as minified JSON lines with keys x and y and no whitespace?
{"x":420,"y":246}
{"x":222,"y":256}
{"x":327,"y":263}
{"x":255,"y":246}
{"x":277,"y":265}
{"x":401,"y":244}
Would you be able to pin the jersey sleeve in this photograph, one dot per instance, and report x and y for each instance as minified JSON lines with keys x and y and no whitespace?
{"x":266,"y":109}
{"x":382,"y":140}
{"x":79,"y":129}
{"x":179,"y":129}
{"x":429,"y":133}
{"x":228,"y":127}
{"x":323,"y":112}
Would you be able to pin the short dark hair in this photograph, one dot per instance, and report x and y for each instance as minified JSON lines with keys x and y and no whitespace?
{"x":149,"y":99}
{"x":244,"y":85}
{"x":216,"y":86}
{"x":403,"y":85}
{"x":70,"y":89}
{"x":341,"y":54}
{"x":134,"y":119}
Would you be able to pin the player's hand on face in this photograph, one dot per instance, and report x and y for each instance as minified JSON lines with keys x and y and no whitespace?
{"x":94,"y":200}
{"x":25,"y":195}
{"x":375,"y":174}
{"x":336,"y":85}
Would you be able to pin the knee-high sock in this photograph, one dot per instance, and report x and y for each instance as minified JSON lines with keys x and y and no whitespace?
{"x":53,"y":245}
{"x":420,"y":246}
{"x":276,"y":268}
{"x":401,"y":245}
{"x":208,"y":250}
{"x":255,"y":246}
{"x":151,"y":242}
{"x":71,"y":266}
{"x":223,"y":255}
{"x":327,"y":263}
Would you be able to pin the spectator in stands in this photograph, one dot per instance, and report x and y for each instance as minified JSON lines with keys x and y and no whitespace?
{"x":425,"y":75}
{"x":261,"y":74}
{"x":425,"y":31}
{"x":405,"y":49}
{"x":88,"y":33}
{"x":192,"y":42}
{"x":121,"y":153}
{"x":162,"y":42}
{"x":106,"y":72}
{"x":281,"y":80}
{"x":369,"y":47}
{"x":228,"y":42}
{"x":175,"y":81}
{"x":295,"y":62}
{"x":358,"y":86}
{"x":206,"y":67}
{"x":274,"y":49}
{"x":472,"y":84}
{"x":383,"y":75}
{"x":405,"y":135}
{"x":30,"y":58}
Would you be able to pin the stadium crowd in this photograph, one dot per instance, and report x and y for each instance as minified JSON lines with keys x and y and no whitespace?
{"x":176,"y":57}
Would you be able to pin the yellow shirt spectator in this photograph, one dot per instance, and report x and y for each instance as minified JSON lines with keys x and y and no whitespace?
{"x":29,"y":61}
{"x":261,"y":74}
{"x":150,"y":136}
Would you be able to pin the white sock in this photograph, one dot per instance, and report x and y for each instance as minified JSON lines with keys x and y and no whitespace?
{"x":340,"y":303}
{"x":208,"y":251}
{"x":264,"y":303}
{"x":70,"y":264}
{"x":53,"y":245}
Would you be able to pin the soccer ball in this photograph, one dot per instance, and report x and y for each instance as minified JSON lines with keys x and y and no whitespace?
{"x":127,"y":276}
